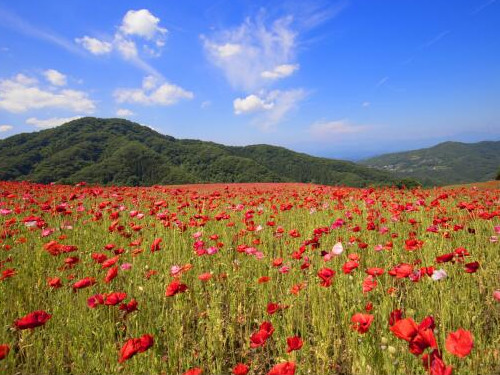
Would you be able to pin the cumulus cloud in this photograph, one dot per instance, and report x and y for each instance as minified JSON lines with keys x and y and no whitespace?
{"x":94,"y":45}
{"x":5,"y":128}
{"x":123,"y":112}
{"x":50,"y":122}
{"x":126,"y":47}
{"x":256,"y":46}
{"x":252,"y":103}
{"x":325,"y":129}
{"x":138,"y":35}
{"x":281,"y":71}
{"x":55,"y":78}
{"x":142,"y":23}
{"x":153,"y":92}
{"x":270,"y":108}
{"x":22,"y":93}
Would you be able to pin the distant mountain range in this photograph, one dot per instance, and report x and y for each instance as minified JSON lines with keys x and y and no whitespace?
{"x":444,"y":164}
{"x":116,"y":151}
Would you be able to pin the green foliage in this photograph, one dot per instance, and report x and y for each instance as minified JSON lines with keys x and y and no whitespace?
{"x":408,"y":183}
{"x":444,"y":164}
{"x":498,"y":175}
{"x":120,"y":152}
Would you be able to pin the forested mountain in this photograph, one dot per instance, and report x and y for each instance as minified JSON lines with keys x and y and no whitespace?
{"x":116,"y":151}
{"x":443,"y":164}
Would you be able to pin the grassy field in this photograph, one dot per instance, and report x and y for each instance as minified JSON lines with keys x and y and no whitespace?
{"x":249,"y":278}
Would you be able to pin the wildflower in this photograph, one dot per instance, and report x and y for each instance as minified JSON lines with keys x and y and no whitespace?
{"x":32,"y":320}
{"x":459,"y":343}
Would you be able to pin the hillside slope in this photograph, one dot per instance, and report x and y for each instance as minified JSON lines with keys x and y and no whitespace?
{"x":443,"y":164}
{"x":116,"y":151}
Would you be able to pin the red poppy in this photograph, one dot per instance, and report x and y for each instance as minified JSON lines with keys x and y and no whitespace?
{"x":194,"y":371}
{"x":240,"y":369}
{"x":471,"y":267}
{"x":435,"y":365}
{"x":275,"y":307}
{"x":115,"y":298}
{"x":260,"y":337}
{"x":427,"y":323}
{"x":445,"y":258}
{"x":423,"y":340}
{"x":362,"y":322}
{"x":129,"y":307}
{"x":326,"y":274}
{"x":285,"y":368}
{"x":405,"y":329}
{"x":459,"y":343}
{"x":99,"y":258}
{"x":294,"y":343}
{"x":175,"y":287}
{"x":155,"y":246}
{"x":375,"y":271}
{"x":295,"y":289}
{"x":263,"y":279}
{"x":97,"y":299}
{"x":83,"y":283}
{"x":111,"y":274}
{"x":110,"y":262}
{"x":369,"y":283}
{"x":350,"y":266}
{"x":205,"y":276}
{"x":134,"y":346}
{"x":4,"y":351}
{"x":267,"y":327}
{"x":54,"y":282}
{"x":401,"y":270}
{"x":9,"y":272}
{"x":35,"y":319}
{"x":395,"y":316}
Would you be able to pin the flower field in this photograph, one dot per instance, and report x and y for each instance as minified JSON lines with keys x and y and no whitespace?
{"x":275,"y":279}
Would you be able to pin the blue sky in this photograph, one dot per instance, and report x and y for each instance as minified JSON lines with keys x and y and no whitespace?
{"x":342,"y":79}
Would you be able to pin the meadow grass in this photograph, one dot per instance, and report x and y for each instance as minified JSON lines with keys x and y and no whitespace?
{"x":209,"y":326}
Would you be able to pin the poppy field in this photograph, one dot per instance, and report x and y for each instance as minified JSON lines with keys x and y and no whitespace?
{"x":275,"y":279}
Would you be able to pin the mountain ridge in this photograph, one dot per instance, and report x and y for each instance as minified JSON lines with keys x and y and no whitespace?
{"x":448,"y":162}
{"x":121,"y":152}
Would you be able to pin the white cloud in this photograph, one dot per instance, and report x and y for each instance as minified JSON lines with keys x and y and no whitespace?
{"x":126,"y":47}
{"x":254,"y":47}
{"x":281,"y":71}
{"x":50,"y":122}
{"x":25,"y":80}
{"x":139,"y":35}
{"x":366,"y":104}
{"x":142,"y":23}
{"x":123,"y":112}
{"x":252,"y":103}
{"x":94,"y":45}
{"x":21,"y":93}
{"x":271,"y":108}
{"x":150,"y":82}
{"x":55,"y":78}
{"x":325,"y":129}
{"x":5,"y":128}
{"x":228,"y":49}
{"x":153,"y":92}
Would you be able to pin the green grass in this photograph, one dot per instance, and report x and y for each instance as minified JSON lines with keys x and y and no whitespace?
{"x":210,"y":325}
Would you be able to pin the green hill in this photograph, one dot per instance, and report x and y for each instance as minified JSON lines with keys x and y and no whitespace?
{"x":443,"y":164}
{"x":116,"y":151}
